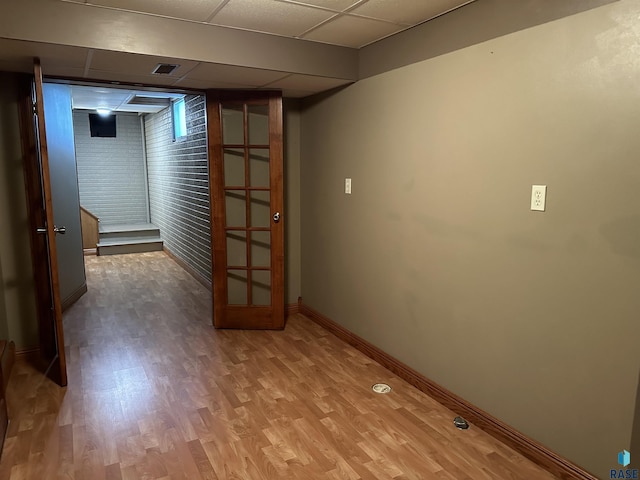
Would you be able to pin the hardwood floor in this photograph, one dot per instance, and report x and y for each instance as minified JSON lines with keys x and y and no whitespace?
{"x":156,"y":393}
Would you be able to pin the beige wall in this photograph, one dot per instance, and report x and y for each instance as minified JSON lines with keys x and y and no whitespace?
{"x":16,"y":285}
{"x":436,"y":257}
{"x":476,"y":22}
{"x":291,"y":215}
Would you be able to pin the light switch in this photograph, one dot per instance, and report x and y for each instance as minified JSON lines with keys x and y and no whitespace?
{"x":347,"y":186}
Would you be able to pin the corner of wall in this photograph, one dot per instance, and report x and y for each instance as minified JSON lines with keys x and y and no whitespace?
{"x":291,"y":128}
{"x":635,"y":432}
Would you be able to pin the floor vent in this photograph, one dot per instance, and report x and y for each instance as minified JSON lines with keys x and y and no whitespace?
{"x":460,"y":423}
{"x":381,"y":388}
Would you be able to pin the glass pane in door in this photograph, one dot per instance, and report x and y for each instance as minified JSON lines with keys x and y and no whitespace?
{"x":260,"y":208}
{"x":259,"y":167}
{"x":236,"y":208}
{"x":261,"y":287}
{"x":236,"y":249}
{"x":258,"y":120}
{"x":237,"y":287}
{"x":234,"y":167}
{"x":260,"y":249}
{"x":233,"y":125}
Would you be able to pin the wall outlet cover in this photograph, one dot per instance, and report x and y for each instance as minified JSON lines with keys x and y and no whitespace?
{"x":538,"y":197}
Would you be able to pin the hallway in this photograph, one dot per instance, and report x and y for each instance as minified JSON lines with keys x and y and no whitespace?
{"x":156,"y":393}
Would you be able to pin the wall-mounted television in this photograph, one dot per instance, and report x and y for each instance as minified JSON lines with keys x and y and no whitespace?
{"x":102,"y":126}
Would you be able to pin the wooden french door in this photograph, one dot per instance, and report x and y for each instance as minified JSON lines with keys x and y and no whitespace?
{"x":42,"y":228}
{"x":247,"y":219}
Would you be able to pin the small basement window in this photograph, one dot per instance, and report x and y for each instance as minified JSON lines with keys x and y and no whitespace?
{"x":102,"y":125}
{"x":179,"y":120}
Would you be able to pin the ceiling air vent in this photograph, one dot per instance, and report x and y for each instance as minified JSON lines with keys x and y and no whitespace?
{"x":149,"y":101}
{"x":164,"y":69}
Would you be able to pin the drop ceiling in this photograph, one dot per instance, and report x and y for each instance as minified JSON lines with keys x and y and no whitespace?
{"x":119,"y":99}
{"x":349,"y":24}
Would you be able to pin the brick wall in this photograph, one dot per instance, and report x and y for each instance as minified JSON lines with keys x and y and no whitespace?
{"x":111,"y":171}
{"x":179,"y":184}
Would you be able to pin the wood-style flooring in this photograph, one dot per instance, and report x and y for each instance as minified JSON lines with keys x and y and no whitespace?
{"x":156,"y":393}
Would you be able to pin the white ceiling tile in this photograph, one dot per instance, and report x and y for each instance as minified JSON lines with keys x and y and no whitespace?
{"x":140,"y":108}
{"x":134,"y":64}
{"x":230,"y":74}
{"x":97,"y":97}
{"x":51,"y":56}
{"x":131,"y":78}
{"x":336,"y":5}
{"x":61,"y":56}
{"x":370,"y":21}
{"x":116,"y":99}
{"x":408,"y":12}
{"x":198,"y":10}
{"x":308,"y":83}
{"x":268,"y":16}
{"x":23,"y":66}
{"x":352,"y":31}
{"x":193,"y":83}
{"x":55,"y":70}
{"x":296,"y":93}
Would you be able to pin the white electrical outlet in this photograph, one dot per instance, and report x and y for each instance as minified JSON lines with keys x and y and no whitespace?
{"x":538,"y":197}
{"x":347,"y":186}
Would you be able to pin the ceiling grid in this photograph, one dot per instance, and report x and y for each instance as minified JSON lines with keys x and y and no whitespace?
{"x":350,"y":24}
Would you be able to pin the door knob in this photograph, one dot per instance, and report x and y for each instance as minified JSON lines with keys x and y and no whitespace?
{"x":276,"y":217}
{"x":60,"y":230}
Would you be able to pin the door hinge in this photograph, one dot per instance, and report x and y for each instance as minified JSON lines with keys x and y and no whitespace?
{"x":35,"y":108}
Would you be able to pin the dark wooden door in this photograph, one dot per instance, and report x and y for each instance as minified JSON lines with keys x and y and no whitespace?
{"x":4,"y":416}
{"x":43,"y":231}
{"x":247,"y":218}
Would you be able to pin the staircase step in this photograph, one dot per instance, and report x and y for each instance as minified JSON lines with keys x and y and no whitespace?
{"x":127,"y":241}
{"x":129,"y":238}
{"x":128,"y":232}
{"x":118,"y":247}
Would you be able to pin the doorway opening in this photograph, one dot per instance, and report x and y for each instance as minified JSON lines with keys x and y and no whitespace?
{"x":142,"y":173}
{"x":244,"y":134}
{"x":147,"y":169}
{"x":147,"y":166}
